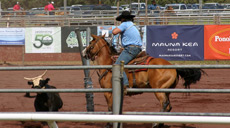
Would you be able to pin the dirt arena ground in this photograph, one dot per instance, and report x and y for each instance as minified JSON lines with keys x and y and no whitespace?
{"x":74,"y":102}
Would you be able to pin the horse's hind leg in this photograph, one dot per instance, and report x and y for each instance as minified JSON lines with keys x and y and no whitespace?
{"x":164,"y":102}
{"x":165,"y":106}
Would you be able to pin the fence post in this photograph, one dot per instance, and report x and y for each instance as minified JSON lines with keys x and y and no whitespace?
{"x":116,"y":91}
{"x":217,"y":19}
{"x":87,"y":79}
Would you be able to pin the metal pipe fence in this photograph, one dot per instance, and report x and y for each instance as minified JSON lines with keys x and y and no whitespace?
{"x":100,"y":90}
{"x":220,"y":118}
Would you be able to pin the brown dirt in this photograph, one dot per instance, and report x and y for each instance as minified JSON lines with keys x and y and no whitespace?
{"x":74,"y":102}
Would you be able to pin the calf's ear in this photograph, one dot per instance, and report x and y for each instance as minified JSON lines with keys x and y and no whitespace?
{"x":30,"y":83}
{"x":47,"y":79}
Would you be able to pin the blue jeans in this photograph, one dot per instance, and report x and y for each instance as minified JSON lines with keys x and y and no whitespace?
{"x":128,"y":54}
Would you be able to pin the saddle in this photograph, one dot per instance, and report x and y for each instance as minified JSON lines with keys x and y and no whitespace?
{"x":142,"y":59}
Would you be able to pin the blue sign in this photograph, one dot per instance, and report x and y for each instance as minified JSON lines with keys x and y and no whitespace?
{"x":176,"y":42}
{"x":12,"y":36}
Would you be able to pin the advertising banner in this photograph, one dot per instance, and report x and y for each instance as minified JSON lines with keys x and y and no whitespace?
{"x":115,"y":40}
{"x":69,"y":39}
{"x":43,"y":40}
{"x":176,"y":42}
{"x":12,"y":36}
{"x":217,"y":42}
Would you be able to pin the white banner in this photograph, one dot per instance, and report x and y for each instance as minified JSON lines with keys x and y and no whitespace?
{"x":43,"y":40}
{"x":12,"y":36}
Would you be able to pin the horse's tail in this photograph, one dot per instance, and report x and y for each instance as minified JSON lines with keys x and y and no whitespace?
{"x":190,"y":75}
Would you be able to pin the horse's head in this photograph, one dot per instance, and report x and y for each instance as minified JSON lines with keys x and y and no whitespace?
{"x":95,"y":46}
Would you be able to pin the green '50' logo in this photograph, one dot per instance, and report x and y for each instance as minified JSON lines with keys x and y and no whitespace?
{"x":43,"y":40}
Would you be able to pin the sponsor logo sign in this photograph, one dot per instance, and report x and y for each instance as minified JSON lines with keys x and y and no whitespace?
{"x":217,"y":42}
{"x":69,"y":40}
{"x":177,"y":42}
{"x":43,"y":40}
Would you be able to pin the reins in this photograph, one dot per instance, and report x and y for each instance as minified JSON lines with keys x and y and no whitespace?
{"x":104,"y":73}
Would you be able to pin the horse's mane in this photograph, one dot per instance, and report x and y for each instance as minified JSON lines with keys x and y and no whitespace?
{"x":112,"y":49}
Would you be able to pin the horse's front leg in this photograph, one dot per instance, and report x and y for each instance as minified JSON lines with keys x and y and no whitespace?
{"x":109,"y":100}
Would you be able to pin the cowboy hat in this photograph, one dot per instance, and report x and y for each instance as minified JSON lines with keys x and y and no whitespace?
{"x":125,"y":15}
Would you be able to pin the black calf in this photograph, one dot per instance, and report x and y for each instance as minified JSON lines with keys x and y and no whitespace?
{"x":46,"y":101}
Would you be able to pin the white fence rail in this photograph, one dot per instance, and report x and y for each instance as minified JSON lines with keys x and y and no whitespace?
{"x":113,"y":118}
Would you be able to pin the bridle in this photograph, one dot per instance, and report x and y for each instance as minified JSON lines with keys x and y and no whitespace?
{"x":93,"y":45}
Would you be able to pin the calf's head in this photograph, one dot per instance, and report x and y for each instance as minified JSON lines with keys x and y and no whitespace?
{"x":37,"y":82}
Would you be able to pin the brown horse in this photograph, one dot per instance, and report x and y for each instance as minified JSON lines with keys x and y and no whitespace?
{"x":100,"y":51}
{"x":61,"y":13}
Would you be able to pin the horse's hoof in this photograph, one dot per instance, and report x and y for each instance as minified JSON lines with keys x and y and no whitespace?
{"x":170,"y":109}
{"x":108,"y":125}
{"x":156,"y":125}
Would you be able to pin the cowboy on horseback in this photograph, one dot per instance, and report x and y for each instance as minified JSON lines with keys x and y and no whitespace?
{"x":130,"y":40}
{"x":100,"y":50}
